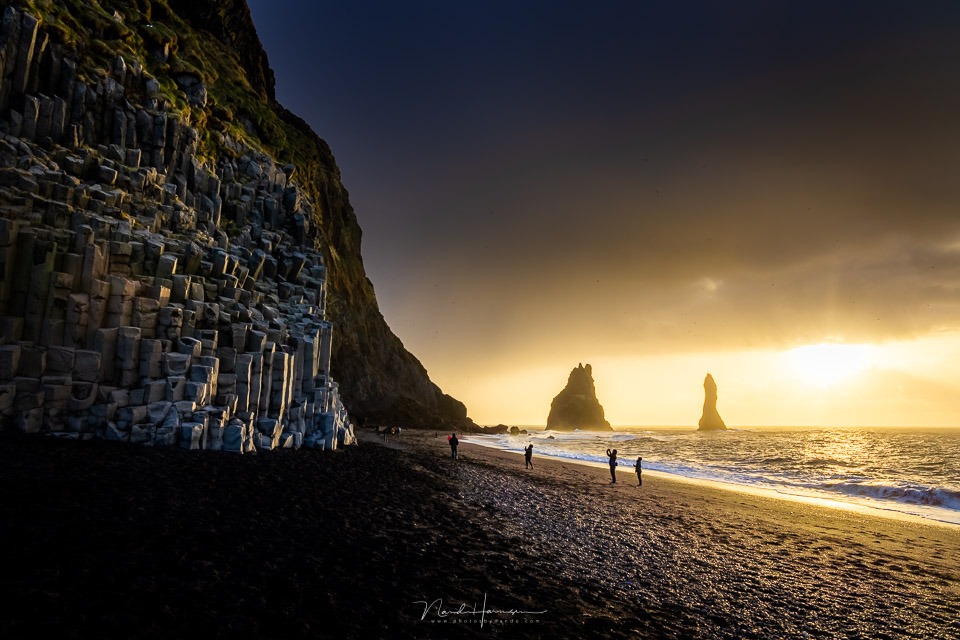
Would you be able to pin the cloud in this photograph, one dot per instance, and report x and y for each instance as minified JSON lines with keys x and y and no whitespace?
{"x":892,"y":288}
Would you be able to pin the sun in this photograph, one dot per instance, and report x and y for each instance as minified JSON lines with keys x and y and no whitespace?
{"x":827,"y":364}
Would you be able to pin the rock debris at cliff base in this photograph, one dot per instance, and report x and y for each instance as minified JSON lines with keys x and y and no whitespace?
{"x":127,"y":310}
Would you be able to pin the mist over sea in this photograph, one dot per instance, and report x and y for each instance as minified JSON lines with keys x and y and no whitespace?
{"x":909,"y":470}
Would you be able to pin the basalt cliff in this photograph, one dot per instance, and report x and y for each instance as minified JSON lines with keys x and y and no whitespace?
{"x":180,"y":262}
{"x":577,"y":407}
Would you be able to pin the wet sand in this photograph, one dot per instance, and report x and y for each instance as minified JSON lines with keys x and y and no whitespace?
{"x":103,"y":539}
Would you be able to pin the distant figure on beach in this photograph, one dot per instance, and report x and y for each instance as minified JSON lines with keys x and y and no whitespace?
{"x":639,"y":471}
{"x":528,"y":456}
{"x":453,"y":445}
{"x":436,"y":435}
{"x":613,"y":465}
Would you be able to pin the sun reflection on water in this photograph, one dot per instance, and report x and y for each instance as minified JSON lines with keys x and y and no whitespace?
{"x":843,"y":451}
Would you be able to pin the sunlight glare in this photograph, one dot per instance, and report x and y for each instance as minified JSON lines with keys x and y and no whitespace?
{"x":826,"y":364}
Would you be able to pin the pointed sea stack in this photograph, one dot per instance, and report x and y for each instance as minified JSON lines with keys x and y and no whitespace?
{"x":710,"y":420}
{"x":577,"y":407}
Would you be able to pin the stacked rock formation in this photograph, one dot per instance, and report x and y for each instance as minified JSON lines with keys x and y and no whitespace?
{"x":127,"y":310}
{"x":577,"y":407}
{"x":710,"y":420}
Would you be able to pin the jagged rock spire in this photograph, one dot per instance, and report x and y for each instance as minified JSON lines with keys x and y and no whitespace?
{"x":577,"y":407}
{"x":710,"y":420}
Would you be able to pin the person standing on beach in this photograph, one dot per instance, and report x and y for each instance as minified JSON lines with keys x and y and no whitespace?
{"x":613,"y":465}
{"x":528,"y":456}
{"x":639,"y":471}
{"x":453,"y":445}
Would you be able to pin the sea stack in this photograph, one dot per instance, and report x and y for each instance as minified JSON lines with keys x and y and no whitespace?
{"x":710,"y":420}
{"x":577,"y":407}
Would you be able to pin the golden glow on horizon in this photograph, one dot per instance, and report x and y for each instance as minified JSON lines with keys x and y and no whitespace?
{"x":826,"y":364}
{"x":907,"y":383}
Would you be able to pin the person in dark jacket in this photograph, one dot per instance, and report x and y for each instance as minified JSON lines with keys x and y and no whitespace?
{"x":613,"y":465}
{"x":528,"y":456}
{"x":453,"y":445}
{"x":639,"y":471}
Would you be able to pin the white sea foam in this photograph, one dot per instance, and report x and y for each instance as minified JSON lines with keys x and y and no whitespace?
{"x":907,"y":494}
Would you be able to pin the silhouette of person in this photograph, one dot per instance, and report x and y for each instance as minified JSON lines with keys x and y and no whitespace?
{"x":639,"y":472}
{"x":528,"y":456}
{"x":613,"y":465}
{"x":453,"y":445}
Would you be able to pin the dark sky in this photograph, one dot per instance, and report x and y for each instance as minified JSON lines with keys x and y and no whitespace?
{"x":608,"y":178}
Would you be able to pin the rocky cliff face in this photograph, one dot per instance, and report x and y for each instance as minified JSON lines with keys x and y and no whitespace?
{"x":710,"y":419}
{"x":577,"y":407}
{"x":186,"y":85}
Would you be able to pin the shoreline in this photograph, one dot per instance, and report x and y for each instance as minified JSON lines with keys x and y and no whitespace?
{"x":802,"y":564}
{"x":720,"y":490}
{"x":864,"y":505}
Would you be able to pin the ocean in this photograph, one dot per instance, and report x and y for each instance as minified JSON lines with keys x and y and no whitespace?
{"x":908,"y":470}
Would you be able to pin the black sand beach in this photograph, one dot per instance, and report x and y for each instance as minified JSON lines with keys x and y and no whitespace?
{"x":102,"y":540}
